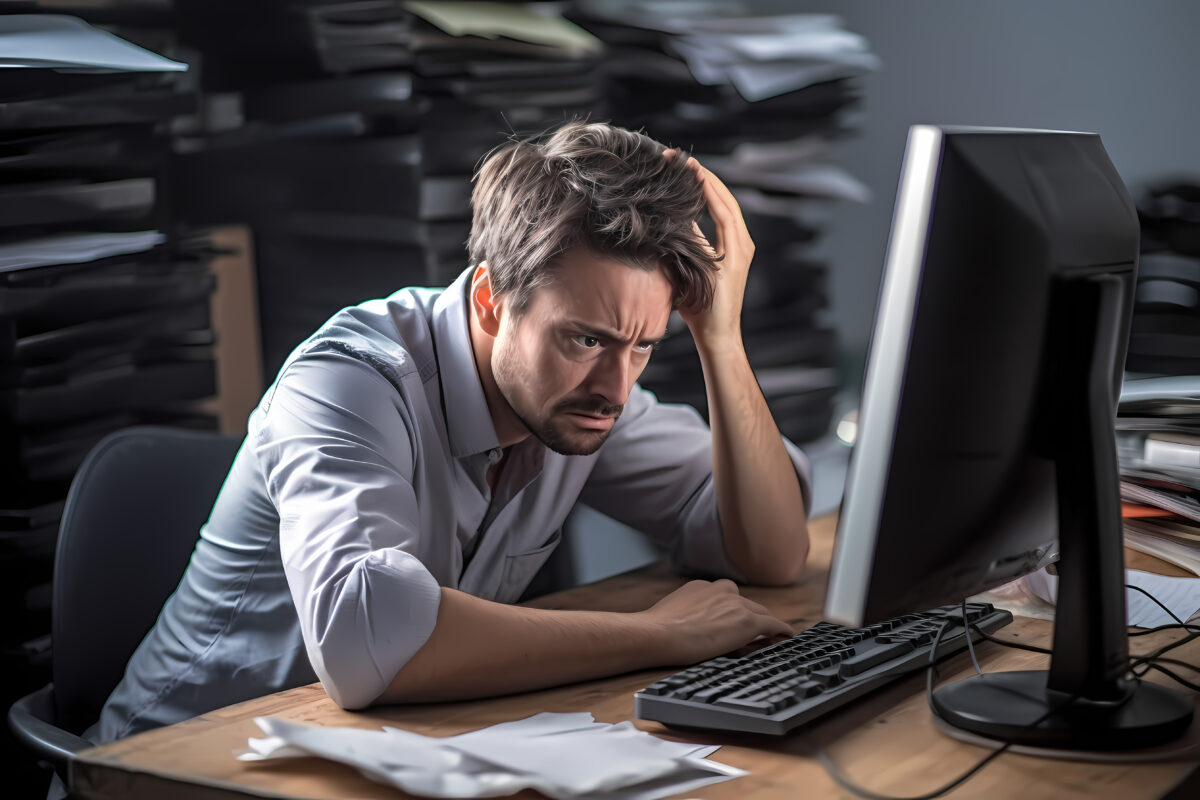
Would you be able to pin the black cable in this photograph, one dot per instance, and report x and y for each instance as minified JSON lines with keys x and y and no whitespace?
{"x":1182,"y":681}
{"x":970,"y":641}
{"x":1175,"y":661}
{"x":1009,"y":643}
{"x":841,"y":780}
{"x":1139,"y":659}
{"x":1148,"y":661}
{"x":1168,"y":627}
{"x":1145,"y":657}
{"x":1157,"y":602}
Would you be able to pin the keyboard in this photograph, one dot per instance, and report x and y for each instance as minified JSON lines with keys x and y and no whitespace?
{"x":786,"y":684}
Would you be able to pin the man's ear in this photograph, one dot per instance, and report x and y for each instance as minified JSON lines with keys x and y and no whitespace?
{"x":483,"y":301}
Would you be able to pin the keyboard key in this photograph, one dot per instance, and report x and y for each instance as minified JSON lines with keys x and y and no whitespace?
{"x":827,"y":677}
{"x":864,"y":661}
{"x":712,"y":693}
{"x":744,"y":704}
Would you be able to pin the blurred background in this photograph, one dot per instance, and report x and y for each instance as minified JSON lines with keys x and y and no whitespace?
{"x":181,"y":205}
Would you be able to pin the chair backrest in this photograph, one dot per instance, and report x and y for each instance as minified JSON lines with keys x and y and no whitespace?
{"x":132,"y":518}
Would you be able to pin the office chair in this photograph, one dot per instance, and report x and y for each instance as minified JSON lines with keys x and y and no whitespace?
{"x":131,"y":520}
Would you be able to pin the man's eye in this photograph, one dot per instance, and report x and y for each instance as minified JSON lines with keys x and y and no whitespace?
{"x":584,"y":340}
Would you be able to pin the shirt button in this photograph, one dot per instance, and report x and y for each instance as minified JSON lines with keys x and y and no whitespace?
{"x":494,"y":455}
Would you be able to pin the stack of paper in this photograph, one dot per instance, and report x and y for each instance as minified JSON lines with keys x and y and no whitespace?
{"x":1158,"y":445}
{"x":360,"y":125}
{"x":563,"y":756}
{"x":758,"y":99}
{"x":104,"y":319}
{"x":1159,"y":457}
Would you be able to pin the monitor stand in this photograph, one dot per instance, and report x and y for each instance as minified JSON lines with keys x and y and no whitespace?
{"x":1084,"y":701}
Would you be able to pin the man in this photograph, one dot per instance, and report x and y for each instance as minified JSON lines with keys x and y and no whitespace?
{"x":409,"y":470}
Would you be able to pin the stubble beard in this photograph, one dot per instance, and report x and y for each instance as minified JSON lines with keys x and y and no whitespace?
{"x":563,"y":442}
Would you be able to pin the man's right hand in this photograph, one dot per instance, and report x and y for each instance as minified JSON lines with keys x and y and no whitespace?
{"x":482,"y":649}
{"x":703,"y":619}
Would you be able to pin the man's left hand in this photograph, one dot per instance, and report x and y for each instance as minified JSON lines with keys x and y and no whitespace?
{"x":722,"y":321}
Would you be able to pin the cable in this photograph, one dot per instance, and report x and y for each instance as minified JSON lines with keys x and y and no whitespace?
{"x":1148,"y":661}
{"x":1157,"y":602}
{"x":1182,"y":681}
{"x":1138,"y":660}
{"x":1171,"y":626}
{"x":1007,"y":643}
{"x":840,"y":778}
{"x":970,"y":639}
{"x":1174,"y":661}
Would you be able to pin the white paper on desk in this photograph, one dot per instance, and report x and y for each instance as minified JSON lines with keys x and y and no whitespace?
{"x":585,"y":762}
{"x":1181,"y":595}
{"x":560,"y":755}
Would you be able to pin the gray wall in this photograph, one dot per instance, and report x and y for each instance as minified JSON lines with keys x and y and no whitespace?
{"x":1126,"y":70}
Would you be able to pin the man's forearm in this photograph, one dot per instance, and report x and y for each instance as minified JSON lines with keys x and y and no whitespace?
{"x":481,"y":649}
{"x":758,"y":492}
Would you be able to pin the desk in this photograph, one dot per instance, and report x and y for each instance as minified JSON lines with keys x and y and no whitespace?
{"x":887,"y":743}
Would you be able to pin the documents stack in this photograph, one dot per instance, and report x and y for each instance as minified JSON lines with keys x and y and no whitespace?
{"x":1158,"y":443}
{"x":104,"y":318}
{"x":759,"y":101}
{"x":352,"y":158}
{"x":1165,"y":337}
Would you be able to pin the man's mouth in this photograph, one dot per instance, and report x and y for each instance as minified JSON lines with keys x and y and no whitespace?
{"x":592,"y":420}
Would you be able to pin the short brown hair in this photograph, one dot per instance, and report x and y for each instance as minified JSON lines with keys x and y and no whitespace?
{"x":593,"y":185}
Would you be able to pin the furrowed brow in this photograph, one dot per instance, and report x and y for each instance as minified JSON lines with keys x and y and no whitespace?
{"x":612,"y":336}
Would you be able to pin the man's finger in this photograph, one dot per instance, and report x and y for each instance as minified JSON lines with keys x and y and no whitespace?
{"x":758,"y":608}
{"x":774,"y":625}
{"x":717,"y":187}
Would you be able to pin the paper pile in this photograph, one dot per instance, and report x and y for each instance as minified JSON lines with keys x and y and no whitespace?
{"x":52,"y":41}
{"x":1158,"y":447}
{"x":559,"y":755}
{"x":761,"y":99}
{"x":1158,"y":443}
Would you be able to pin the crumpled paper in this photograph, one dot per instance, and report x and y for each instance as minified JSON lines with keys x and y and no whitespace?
{"x":560,"y":755}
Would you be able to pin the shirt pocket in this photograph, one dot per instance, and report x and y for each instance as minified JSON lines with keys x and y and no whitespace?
{"x":519,"y":569}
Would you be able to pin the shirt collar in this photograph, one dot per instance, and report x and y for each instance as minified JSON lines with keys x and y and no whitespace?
{"x":468,"y":420}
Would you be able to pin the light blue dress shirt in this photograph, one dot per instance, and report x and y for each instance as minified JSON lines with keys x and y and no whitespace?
{"x":361,"y":489}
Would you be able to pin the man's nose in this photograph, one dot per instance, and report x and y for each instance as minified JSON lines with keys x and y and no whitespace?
{"x":610,"y":377}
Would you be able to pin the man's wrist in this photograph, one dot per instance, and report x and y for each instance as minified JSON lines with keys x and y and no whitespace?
{"x":659,"y":637}
{"x":719,"y":344}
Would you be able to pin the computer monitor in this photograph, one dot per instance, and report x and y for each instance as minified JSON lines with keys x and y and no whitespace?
{"x":985,"y":444}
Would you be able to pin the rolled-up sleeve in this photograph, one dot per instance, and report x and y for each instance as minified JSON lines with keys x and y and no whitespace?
{"x":655,"y":474}
{"x":336,"y":450}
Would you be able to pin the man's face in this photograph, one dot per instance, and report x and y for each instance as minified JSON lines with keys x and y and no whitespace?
{"x":567,"y":363}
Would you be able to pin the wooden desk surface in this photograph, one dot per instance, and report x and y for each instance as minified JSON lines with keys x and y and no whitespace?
{"x":887,"y":743}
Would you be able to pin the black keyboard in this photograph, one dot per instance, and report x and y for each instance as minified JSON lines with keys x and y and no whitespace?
{"x":786,"y":684}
